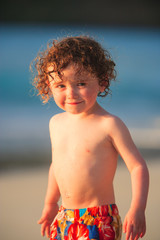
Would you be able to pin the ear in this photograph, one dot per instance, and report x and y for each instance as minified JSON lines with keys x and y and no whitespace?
{"x":101,"y":88}
{"x":103,"y":85}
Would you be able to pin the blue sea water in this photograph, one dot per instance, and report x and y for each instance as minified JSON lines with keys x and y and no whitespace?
{"x":135,"y":95}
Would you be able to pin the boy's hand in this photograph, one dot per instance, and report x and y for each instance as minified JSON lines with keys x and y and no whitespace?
{"x":134,"y":224}
{"x":48,"y":215}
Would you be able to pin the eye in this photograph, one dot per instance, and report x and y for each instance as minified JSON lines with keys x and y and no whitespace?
{"x":61,"y":86}
{"x":81,"y":84}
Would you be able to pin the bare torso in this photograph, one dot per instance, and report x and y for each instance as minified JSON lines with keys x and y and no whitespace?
{"x":84,"y":160}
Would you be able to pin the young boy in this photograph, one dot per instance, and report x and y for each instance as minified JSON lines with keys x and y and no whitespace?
{"x":86,"y":141}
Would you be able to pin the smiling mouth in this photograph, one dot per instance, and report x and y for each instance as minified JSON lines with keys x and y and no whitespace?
{"x":74,"y":103}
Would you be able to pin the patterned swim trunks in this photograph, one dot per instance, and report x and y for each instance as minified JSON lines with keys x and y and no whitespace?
{"x":103,"y":223}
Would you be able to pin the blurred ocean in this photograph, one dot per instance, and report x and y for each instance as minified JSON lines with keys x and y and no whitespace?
{"x":135,"y":96}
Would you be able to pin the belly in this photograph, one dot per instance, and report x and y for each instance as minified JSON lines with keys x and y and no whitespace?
{"x":85,"y":182}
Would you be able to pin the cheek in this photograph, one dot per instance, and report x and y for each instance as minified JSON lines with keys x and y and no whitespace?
{"x":59,"y":102}
{"x":58,"y":98}
{"x":91,"y":95}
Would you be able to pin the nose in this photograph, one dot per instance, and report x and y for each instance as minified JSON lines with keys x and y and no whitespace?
{"x":72,"y":92}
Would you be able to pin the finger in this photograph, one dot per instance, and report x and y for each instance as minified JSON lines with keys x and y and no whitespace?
{"x":43,"y":228}
{"x":129,"y":232}
{"x":125,"y":226}
{"x":134,"y":234}
{"x":143,"y":232}
{"x":41,"y":220}
{"x":135,"y":237}
{"x":48,"y":231}
{"x":138,"y":233}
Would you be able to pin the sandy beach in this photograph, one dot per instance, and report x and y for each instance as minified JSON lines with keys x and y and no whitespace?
{"x":22,"y":194}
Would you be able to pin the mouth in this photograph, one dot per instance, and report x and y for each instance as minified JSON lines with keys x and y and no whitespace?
{"x":74,"y":103}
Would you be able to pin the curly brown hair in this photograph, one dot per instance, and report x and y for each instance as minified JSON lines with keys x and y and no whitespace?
{"x":81,"y":50}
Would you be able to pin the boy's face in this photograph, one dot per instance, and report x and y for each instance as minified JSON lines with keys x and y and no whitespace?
{"x":75,"y":91}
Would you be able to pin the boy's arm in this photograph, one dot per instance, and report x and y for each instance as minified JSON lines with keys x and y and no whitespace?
{"x":51,"y":199}
{"x":134,"y":224}
{"x":52,"y":194}
{"x":50,"y":206}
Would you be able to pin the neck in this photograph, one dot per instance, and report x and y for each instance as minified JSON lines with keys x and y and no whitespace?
{"x":95,"y":110}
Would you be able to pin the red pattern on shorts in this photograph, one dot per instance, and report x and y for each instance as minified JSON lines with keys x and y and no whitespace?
{"x":101,"y":223}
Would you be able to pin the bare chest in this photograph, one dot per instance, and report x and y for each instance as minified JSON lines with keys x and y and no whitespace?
{"x":80,"y":141}
{"x":84,"y":147}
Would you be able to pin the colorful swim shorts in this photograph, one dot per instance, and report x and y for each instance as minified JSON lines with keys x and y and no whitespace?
{"x":103,"y":223}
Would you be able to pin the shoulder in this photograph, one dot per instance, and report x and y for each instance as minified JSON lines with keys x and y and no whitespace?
{"x":115,"y":125}
{"x":55,"y":124}
{"x":56,"y":119}
{"x":113,"y":120}
{"x":119,"y":135}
